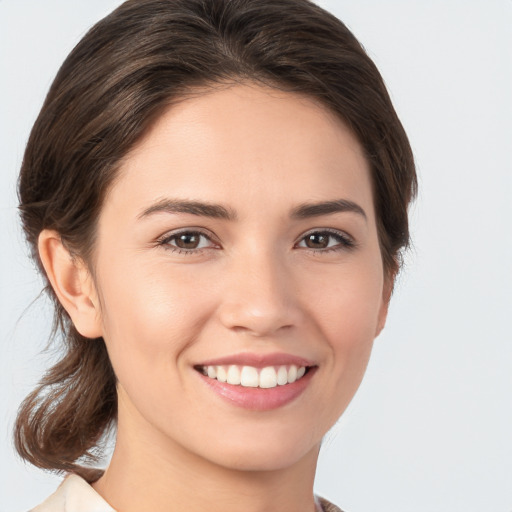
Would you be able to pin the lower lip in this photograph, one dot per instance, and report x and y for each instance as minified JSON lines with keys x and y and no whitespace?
{"x":259,"y":399}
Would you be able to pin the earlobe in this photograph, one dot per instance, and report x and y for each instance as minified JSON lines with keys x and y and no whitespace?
{"x":72,"y":283}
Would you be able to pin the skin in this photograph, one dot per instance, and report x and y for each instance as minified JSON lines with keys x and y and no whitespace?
{"x":253,"y":285}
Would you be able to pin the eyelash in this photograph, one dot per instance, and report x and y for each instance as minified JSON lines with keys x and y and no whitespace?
{"x":344,"y":242}
{"x":165,"y":241}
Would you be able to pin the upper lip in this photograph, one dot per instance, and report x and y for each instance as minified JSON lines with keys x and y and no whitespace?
{"x":258,"y":360}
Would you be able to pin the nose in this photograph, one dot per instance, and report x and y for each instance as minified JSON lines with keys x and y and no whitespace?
{"x":259,"y":296}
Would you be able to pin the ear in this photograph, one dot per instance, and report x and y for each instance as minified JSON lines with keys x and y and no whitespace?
{"x":387,"y":290}
{"x":72,"y":283}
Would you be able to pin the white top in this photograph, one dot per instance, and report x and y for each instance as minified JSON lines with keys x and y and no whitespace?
{"x":75,"y":495}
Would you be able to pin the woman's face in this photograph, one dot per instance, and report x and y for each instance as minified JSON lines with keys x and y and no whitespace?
{"x":239,"y":243}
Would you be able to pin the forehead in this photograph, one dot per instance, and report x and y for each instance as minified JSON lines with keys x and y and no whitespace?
{"x":244,"y":141}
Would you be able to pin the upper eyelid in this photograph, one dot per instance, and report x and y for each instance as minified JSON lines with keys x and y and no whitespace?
{"x":332,"y":231}
{"x":175,"y":232}
{"x":169,"y":235}
{"x":324,"y":230}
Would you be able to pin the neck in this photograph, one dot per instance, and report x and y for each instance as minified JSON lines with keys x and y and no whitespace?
{"x":148,"y":475}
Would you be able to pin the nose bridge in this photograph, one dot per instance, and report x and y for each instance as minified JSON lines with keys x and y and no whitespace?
{"x":259,"y":294}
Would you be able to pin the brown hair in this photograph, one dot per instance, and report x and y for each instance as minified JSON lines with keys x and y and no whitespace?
{"x":144,"y":56}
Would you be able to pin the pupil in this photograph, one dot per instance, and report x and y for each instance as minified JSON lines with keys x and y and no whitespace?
{"x":317,"y":241}
{"x":187,"y":241}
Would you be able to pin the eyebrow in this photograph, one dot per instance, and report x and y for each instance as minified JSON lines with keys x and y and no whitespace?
{"x":217,"y":211}
{"x":307,"y":210}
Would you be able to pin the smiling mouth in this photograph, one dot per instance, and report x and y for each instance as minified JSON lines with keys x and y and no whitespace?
{"x":252,"y":377}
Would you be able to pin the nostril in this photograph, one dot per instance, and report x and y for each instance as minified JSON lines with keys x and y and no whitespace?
{"x":259,"y":329}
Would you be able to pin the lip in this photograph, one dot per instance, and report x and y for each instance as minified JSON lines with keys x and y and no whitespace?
{"x":258,"y":399}
{"x":258,"y":360}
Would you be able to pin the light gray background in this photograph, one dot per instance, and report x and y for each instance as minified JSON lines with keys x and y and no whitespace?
{"x":431,"y":427}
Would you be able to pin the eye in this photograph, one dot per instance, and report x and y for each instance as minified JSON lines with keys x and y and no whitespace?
{"x":326,"y":240}
{"x":187,"y":241}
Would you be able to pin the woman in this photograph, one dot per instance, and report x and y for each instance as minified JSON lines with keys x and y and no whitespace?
{"x":216,"y":192}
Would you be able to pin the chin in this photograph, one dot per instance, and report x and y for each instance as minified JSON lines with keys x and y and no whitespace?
{"x":267,"y":453}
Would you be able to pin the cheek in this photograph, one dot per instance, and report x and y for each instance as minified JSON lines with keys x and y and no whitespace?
{"x":149,"y":319}
{"x":349,"y":325}
{"x":348,"y":315}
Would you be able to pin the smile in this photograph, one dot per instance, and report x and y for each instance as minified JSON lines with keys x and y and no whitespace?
{"x":252,"y":377}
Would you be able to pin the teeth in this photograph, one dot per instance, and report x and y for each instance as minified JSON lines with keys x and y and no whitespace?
{"x":292,"y":373}
{"x":221,"y":374}
{"x":233,"y":375}
{"x":251,"y":377}
{"x":268,"y":377}
{"x":282,"y":376}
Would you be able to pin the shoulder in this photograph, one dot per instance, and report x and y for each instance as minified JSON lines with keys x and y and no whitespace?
{"x":74,"y":495}
{"x":327,"y":506}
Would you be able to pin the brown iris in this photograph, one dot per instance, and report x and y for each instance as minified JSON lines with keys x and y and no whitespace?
{"x":188,"y":240}
{"x":317,"y":240}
